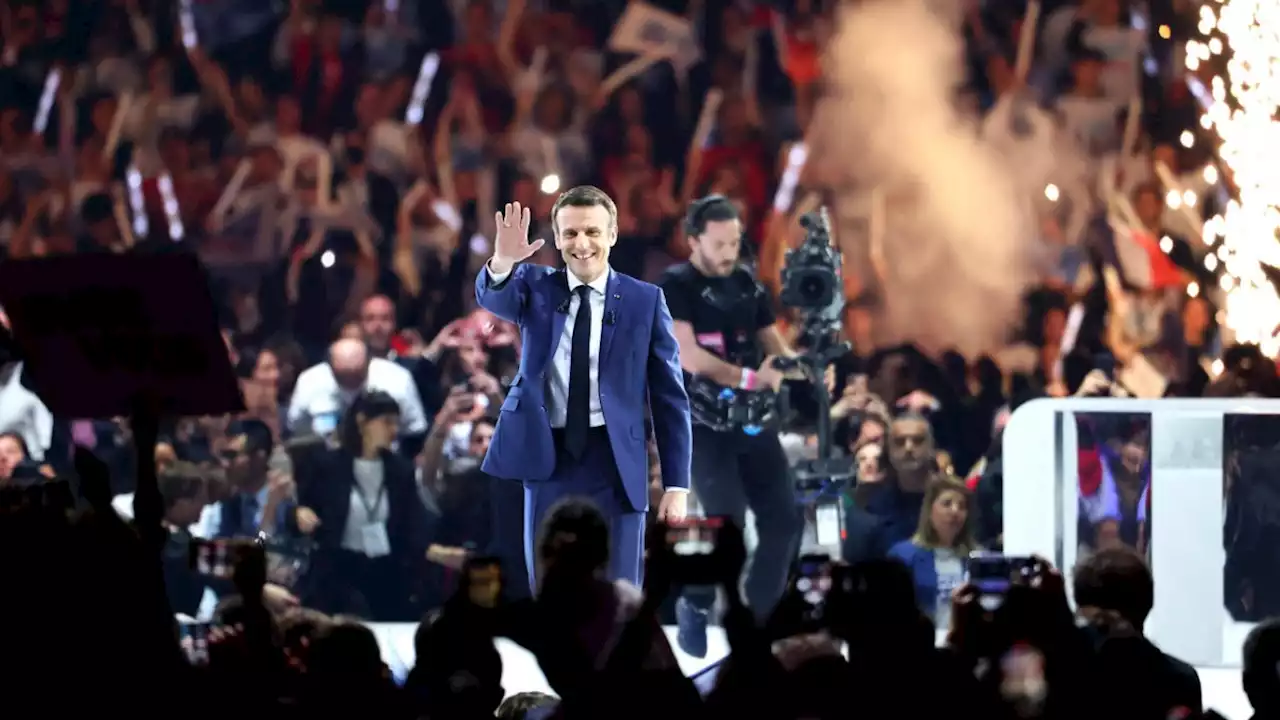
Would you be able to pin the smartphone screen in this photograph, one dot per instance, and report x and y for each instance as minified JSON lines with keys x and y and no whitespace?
{"x":286,"y":561}
{"x":691,"y":543}
{"x":217,"y":558}
{"x":469,"y":404}
{"x":995,"y":573}
{"x":484,"y":581}
{"x":813,"y":582}
{"x":827,"y":523}
{"x":693,"y":536}
{"x":194,"y":639}
{"x":1106,"y":362}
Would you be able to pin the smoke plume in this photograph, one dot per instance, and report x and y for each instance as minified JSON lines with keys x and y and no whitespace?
{"x":959,"y":232}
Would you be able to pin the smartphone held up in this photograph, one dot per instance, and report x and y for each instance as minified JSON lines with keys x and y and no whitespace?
{"x":691,"y":543}
{"x":484,"y":582}
{"x":194,"y":640}
{"x":812,"y":585}
{"x":993,"y":574}
{"x":218,"y":558}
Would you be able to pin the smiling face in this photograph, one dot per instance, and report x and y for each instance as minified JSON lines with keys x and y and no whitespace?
{"x":584,"y":236}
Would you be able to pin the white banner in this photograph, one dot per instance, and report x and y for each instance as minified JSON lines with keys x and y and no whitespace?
{"x":646,"y":30}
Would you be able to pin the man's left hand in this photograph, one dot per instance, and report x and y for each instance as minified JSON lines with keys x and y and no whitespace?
{"x":674,"y":506}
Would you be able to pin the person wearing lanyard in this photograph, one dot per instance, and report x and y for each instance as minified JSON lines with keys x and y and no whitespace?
{"x":374,"y":532}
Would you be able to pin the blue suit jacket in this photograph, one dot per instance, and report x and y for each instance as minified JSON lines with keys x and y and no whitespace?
{"x":639,"y":369}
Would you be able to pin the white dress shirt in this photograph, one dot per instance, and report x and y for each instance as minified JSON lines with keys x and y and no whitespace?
{"x":561,"y":359}
{"x":318,"y":403}
{"x":369,"y":506}
{"x":22,"y":412}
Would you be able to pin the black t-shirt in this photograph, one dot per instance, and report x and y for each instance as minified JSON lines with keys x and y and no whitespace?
{"x":725,"y":312}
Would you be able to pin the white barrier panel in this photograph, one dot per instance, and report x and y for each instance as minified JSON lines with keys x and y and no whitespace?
{"x":1061,"y":463}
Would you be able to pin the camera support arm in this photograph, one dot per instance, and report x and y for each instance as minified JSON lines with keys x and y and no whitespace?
{"x":826,"y":471}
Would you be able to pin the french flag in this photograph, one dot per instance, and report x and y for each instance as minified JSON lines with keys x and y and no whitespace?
{"x":1139,"y":256}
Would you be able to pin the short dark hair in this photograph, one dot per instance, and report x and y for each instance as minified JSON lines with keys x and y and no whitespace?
{"x":518,"y":706}
{"x":576,"y":535}
{"x":1117,"y":580}
{"x":712,"y":208}
{"x":180,"y":481}
{"x":371,"y":404}
{"x":1261,"y":654}
{"x":257,"y":436}
{"x":17,"y":438}
{"x":584,"y":196}
{"x":345,"y":647}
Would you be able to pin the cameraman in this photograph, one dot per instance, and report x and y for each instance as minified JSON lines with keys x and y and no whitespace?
{"x":724,"y":323}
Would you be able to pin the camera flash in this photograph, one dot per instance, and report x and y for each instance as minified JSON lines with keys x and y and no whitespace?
{"x":550,"y":184}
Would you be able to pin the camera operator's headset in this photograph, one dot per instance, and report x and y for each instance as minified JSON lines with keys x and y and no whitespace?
{"x":693,"y":223}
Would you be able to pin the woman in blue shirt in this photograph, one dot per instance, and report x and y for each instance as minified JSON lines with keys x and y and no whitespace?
{"x":936,"y":554}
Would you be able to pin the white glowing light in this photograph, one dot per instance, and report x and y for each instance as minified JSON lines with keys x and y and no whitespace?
{"x":1187,"y":139}
{"x":1211,"y":174}
{"x":187,"y":23}
{"x":1249,"y":224}
{"x":1193,"y":289}
{"x":137,"y":202}
{"x":550,"y":184}
{"x":328,"y":258}
{"x":422,"y":88}
{"x":47,"y":96}
{"x":172,"y":212}
{"x":1051,"y":193}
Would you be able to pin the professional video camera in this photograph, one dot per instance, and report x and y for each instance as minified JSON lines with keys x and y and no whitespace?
{"x":812,"y":285}
{"x":811,"y":277}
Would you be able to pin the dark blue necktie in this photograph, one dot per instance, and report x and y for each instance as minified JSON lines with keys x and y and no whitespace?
{"x":249,"y":520}
{"x":578,"y":418}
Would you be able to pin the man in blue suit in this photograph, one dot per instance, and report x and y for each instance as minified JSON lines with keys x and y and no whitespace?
{"x":598,"y":350}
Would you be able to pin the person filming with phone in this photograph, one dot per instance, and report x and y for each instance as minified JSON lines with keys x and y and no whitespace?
{"x":725,"y":325}
{"x":598,"y":353}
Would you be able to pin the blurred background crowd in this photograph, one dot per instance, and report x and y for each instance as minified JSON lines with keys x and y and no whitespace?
{"x":1042,"y":218}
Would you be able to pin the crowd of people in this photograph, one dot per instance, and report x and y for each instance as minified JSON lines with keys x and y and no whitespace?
{"x":337,"y":167}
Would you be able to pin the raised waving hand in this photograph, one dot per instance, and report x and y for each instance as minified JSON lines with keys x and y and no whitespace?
{"x":512,"y":243}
